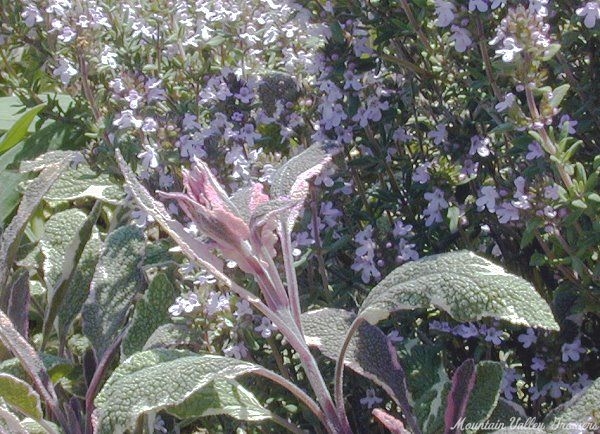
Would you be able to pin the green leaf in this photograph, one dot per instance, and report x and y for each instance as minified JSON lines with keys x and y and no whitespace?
{"x":115,"y":283}
{"x":47,"y":159}
{"x":79,"y":285}
{"x":9,"y":242}
{"x":63,"y":244}
{"x":83,"y":182}
{"x":428,"y":384}
{"x":150,"y":313}
{"x":463,"y":284}
{"x":369,"y":353}
{"x":484,"y":396}
{"x":222,"y":397}
{"x":506,"y":412}
{"x":159,"y":379}
{"x":59,"y":231}
{"x":18,"y":131}
{"x":56,"y":135}
{"x":20,"y":396}
{"x":558,"y":95}
{"x":583,"y":408}
{"x":171,"y":336}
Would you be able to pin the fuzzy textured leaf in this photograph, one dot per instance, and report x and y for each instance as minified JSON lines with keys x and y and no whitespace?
{"x":83,"y":182}
{"x":154,"y":380}
{"x":114,"y":285}
{"x":463,"y":284}
{"x":59,"y":231}
{"x":9,"y":242}
{"x":79,"y":286}
{"x":20,"y":396}
{"x":47,"y":159}
{"x":369,"y":353}
{"x":222,"y":397}
{"x":299,"y":168}
{"x":427,"y":383}
{"x":150,"y":312}
{"x":583,"y":410}
{"x":192,"y":247}
{"x":170,"y":336}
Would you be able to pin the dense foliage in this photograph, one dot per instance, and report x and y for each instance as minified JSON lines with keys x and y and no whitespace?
{"x":193,"y":198}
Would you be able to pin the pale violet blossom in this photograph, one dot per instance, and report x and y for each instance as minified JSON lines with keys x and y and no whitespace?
{"x":567,"y":124}
{"x":528,"y":338}
{"x":509,"y":49}
{"x":480,"y":5}
{"x":421,"y":173}
{"x":509,"y":100}
{"x":461,"y":37}
{"x":439,"y":135}
{"x":445,"y":13}
{"x":534,"y":151}
{"x":127,"y":119}
{"x":265,"y":328}
{"x":31,"y":15}
{"x":590,"y":13}
{"x":216,"y":303}
{"x":538,"y":364}
{"x":481,"y":146}
{"x":487,"y":199}
{"x":65,"y":70}
{"x":436,"y":202}
{"x":242,"y":308}
{"x":237,"y":351}
{"x":371,"y":399}
{"x":572,"y":351}
{"x":108,"y":57}
{"x":507,"y":212}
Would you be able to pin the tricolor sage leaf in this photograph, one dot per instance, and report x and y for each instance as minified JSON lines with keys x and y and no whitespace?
{"x":463,"y":284}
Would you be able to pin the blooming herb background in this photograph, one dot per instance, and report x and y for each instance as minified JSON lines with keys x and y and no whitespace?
{"x":449,"y":125}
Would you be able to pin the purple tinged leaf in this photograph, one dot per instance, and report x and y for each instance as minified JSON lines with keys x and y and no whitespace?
{"x":292,"y":179}
{"x":369,"y":353}
{"x":393,"y":425}
{"x":190,"y":246}
{"x":18,"y":303}
{"x":463,"y":383}
{"x":30,"y":361}
{"x":215,"y":215}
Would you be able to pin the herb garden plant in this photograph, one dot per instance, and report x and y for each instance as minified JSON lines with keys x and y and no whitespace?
{"x":325,"y":217}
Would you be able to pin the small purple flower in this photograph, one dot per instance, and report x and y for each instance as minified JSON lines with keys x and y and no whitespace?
{"x":527,"y":339}
{"x":265,"y":328}
{"x":487,"y":198}
{"x":535,"y":151}
{"x":568,"y":124}
{"x":493,"y":335}
{"x":466,"y":331}
{"x":572,"y":351}
{"x":538,"y":364}
{"x":439,"y":135}
{"x":394,"y":336}
{"x":509,"y":100}
{"x":441,"y":326}
{"x":371,"y":399}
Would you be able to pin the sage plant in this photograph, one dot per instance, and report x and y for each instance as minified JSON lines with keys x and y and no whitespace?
{"x":252,"y":227}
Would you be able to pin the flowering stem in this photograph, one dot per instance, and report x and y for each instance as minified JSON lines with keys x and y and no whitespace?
{"x":546,"y":140}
